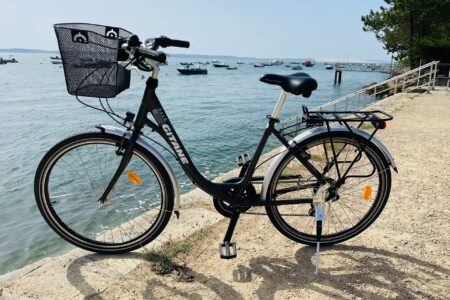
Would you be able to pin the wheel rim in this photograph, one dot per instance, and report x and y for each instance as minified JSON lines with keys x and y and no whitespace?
{"x":71,"y":188}
{"x":342,"y":217}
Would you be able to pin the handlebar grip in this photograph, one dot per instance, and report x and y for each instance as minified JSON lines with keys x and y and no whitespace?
{"x":167,"y":42}
{"x":180,"y":44}
{"x":152,"y":54}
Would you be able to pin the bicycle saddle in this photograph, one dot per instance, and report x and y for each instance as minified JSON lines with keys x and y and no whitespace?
{"x":297,"y":83}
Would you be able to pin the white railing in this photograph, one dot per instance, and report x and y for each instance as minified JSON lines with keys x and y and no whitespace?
{"x":421,"y":78}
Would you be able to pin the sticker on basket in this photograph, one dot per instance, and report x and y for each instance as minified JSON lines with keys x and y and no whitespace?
{"x":134,"y":178}
{"x":112,"y":32}
{"x":80,"y":36}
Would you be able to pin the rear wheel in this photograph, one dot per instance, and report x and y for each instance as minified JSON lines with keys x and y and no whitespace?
{"x":358,"y":201}
{"x":74,"y":173}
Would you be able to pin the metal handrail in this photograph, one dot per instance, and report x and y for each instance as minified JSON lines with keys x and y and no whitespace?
{"x":423,"y":76}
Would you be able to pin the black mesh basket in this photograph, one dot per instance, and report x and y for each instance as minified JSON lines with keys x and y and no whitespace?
{"x":90,"y":55}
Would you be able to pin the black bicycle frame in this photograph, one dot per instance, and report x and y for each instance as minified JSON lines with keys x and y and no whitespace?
{"x":151,"y":104}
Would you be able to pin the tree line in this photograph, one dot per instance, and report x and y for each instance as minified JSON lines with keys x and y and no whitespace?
{"x":412,"y":30}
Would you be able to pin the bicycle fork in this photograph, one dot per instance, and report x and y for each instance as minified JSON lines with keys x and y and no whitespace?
{"x":123,"y":164}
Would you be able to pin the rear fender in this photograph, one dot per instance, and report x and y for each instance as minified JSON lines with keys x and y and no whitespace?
{"x":314,"y":131}
{"x":144,"y":143}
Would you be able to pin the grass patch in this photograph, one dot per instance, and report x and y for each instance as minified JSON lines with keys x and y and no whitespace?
{"x":172,"y":257}
{"x":163,"y":259}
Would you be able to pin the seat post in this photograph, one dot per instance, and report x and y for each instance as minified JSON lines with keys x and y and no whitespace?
{"x":279,"y":105}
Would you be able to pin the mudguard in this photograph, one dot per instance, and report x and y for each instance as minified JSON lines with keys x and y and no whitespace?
{"x":142,"y":142}
{"x":314,"y":131}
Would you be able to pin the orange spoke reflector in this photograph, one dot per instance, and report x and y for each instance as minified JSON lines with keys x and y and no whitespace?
{"x":367,"y":192}
{"x":134,"y":178}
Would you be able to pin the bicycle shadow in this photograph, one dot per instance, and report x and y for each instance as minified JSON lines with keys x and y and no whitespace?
{"x":212,"y":284}
{"x":91,"y":288}
{"x":77,"y":267}
{"x":356,"y":270}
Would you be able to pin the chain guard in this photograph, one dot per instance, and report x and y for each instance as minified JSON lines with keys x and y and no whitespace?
{"x":225,"y":209}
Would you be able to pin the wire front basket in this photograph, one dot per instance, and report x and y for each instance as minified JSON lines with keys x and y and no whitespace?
{"x":90,"y":55}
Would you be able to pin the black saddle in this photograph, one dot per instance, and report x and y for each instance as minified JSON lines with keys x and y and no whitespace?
{"x":297,"y":83}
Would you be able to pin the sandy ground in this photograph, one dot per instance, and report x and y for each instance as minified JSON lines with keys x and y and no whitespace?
{"x":405,"y":254}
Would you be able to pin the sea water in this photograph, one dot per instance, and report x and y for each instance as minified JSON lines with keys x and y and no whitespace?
{"x":218,"y":116}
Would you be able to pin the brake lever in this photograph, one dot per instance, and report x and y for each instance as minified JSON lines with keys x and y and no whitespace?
{"x":150,"y":43}
{"x":134,"y":68}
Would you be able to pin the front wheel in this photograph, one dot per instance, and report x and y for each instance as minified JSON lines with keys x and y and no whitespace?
{"x":73,"y":175}
{"x":355,"y":204}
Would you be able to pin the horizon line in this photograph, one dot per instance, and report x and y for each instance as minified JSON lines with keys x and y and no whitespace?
{"x":319,"y":59}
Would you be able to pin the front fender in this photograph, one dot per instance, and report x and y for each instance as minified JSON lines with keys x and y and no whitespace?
{"x":144,"y":143}
{"x":318,"y":130}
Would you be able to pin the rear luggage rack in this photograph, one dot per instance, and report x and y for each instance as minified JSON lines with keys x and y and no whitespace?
{"x":307,"y":119}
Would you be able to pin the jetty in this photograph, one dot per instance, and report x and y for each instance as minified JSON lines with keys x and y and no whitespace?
{"x":364,"y":67}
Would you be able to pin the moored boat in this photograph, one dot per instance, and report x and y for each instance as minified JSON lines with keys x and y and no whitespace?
{"x":232,"y":68}
{"x":57,"y":61}
{"x":308,"y":63}
{"x":328,"y":66}
{"x":297,"y":67}
{"x":220,"y":65}
{"x":10,"y":59}
{"x":189,"y":70}
{"x":259,"y":65}
{"x":276,"y":62}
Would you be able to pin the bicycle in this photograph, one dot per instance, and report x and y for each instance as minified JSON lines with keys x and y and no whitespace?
{"x":111,"y":191}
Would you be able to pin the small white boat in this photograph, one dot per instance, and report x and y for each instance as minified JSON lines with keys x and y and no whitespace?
{"x":276,"y":62}
{"x":56,"y":60}
{"x":328,"y":66}
{"x":10,"y":59}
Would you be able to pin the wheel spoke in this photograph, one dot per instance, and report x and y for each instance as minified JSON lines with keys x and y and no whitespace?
{"x":79,"y":171}
{"x":349,"y":212}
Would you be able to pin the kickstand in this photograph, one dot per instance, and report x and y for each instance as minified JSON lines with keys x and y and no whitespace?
{"x":227,"y":249}
{"x":319,"y":217}
{"x":319,"y":199}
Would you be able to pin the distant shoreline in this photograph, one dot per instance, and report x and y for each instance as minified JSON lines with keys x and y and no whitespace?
{"x":217,"y":56}
{"x":21,"y":50}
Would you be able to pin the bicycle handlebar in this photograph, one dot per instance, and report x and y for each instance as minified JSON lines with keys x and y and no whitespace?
{"x":150,"y":47}
{"x":150,"y":54}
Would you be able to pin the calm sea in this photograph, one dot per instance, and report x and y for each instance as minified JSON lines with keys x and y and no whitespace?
{"x":218,"y":116}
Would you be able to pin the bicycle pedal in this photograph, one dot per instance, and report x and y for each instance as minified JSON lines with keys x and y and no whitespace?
{"x":227,"y":250}
{"x":242,"y":159}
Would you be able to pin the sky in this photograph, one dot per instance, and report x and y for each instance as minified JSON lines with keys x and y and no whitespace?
{"x":327,"y":29}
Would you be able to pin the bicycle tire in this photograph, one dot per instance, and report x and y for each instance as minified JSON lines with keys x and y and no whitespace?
{"x":58,"y":212}
{"x":374,"y":156}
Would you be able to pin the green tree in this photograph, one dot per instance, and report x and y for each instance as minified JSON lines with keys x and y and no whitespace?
{"x":412,"y":29}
